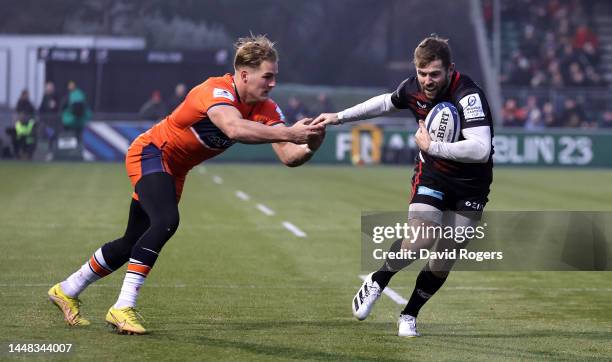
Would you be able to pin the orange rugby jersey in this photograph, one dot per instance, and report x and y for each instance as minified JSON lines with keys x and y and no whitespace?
{"x":187,"y":136}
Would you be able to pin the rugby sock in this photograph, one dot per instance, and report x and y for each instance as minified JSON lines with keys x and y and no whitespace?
{"x":139,"y":266}
{"x":95,"y":268}
{"x":427,"y":284}
{"x":391,"y":266}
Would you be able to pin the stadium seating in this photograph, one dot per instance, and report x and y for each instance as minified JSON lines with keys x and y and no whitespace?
{"x":555,"y":50}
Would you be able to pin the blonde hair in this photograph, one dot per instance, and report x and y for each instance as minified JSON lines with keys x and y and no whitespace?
{"x":253,"y":50}
{"x":430,"y":49}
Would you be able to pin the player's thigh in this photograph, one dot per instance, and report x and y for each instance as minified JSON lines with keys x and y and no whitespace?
{"x":423,"y":221}
{"x":450,"y":247}
{"x":157,"y":195}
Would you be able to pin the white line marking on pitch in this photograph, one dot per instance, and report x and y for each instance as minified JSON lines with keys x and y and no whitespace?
{"x":201,"y":170}
{"x":261,"y":207}
{"x":266,"y":210}
{"x":242,"y":195}
{"x":294,"y":229}
{"x":308,"y":287}
{"x":390,"y":293}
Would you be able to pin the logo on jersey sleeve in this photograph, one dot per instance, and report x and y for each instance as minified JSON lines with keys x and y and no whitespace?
{"x":223,"y":93}
{"x":472,"y":107}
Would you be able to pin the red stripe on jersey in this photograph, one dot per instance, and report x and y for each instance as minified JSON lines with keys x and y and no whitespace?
{"x":417,"y":180}
{"x":454,"y":82}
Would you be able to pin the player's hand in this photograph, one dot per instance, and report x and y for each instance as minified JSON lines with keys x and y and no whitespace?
{"x":303,"y":132}
{"x":316,"y":142}
{"x":326,"y":118}
{"x":422,"y":137}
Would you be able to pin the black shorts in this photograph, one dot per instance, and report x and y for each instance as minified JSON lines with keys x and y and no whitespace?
{"x":447,"y":194}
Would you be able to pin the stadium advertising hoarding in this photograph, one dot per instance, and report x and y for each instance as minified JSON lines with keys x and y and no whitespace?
{"x":368,"y":144}
{"x":552,"y":148}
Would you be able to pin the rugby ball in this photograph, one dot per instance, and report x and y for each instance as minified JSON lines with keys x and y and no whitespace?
{"x":442,"y":123}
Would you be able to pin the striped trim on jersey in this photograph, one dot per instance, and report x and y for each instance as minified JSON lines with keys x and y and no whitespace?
{"x":417,"y":179}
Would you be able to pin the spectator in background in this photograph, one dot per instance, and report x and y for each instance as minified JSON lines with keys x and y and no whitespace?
{"x":324,"y":104}
{"x":584,"y":36}
{"x":49,"y":114}
{"x":549,"y":115}
{"x":593,"y":78}
{"x":572,"y":115}
{"x":539,"y":79}
{"x":566,"y":57}
{"x":521,"y":71}
{"x":530,"y":44}
{"x":606,"y":120}
{"x":179,"y":95}
{"x":24,"y":105}
{"x":75,"y":111}
{"x":556,"y":78}
{"x":154,"y":109}
{"x":513,"y":116}
{"x":590,"y":55}
{"x":555,"y":35}
{"x":295,"y":110}
{"x":25,"y":136}
{"x":534,"y":120}
{"x":576,"y":76}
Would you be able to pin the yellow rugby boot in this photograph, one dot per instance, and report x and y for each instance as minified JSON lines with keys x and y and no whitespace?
{"x":125,"y":320}
{"x":69,"y":306}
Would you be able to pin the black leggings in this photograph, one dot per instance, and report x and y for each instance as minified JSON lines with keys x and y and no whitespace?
{"x":152,"y":221}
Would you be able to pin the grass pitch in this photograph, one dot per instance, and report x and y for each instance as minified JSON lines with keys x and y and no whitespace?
{"x":234,"y":283}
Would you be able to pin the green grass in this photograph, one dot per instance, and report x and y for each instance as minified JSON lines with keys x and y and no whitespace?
{"x":234,"y":284}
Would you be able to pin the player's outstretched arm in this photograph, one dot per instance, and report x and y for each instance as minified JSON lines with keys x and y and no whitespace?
{"x":373,"y":107}
{"x":325,"y":119}
{"x":230,"y":121}
{"x":293,"y":155}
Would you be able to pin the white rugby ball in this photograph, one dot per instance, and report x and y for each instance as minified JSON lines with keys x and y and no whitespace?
{"x":442,"y":123}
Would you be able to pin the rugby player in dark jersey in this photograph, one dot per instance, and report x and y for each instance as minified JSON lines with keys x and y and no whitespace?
{"x":451,"y":180}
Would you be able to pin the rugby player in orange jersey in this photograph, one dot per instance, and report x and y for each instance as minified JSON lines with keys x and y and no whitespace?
{"x":215,"y":115}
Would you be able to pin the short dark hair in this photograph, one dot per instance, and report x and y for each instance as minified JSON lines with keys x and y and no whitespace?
{"x":430,"y":49}
{"x":253,"y":50}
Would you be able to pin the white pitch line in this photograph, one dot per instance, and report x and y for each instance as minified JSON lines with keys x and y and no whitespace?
{"x":201,"y":170}
{"x":294,"y":229}
{"x":307,"y":287}
{"x":242,"y":195}
{"x":390,"y":293}
{"x":266,"y":210}
{"x":217,"y":179}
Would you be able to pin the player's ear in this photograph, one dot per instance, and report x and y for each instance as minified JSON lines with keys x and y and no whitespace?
{"x":244,"y":75}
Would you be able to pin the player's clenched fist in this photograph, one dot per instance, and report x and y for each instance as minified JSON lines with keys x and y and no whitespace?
{"x":422,"y":137}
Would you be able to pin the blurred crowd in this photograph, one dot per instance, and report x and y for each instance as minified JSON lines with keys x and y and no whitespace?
{"x":557,"y":43}
{"x":54,"y":116}
{"x":554,"y":59}
{"x":535,"y":115}
{"x":294,"y":109}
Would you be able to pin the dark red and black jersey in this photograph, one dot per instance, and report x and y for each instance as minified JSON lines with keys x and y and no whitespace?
{"x":474,"y":111}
